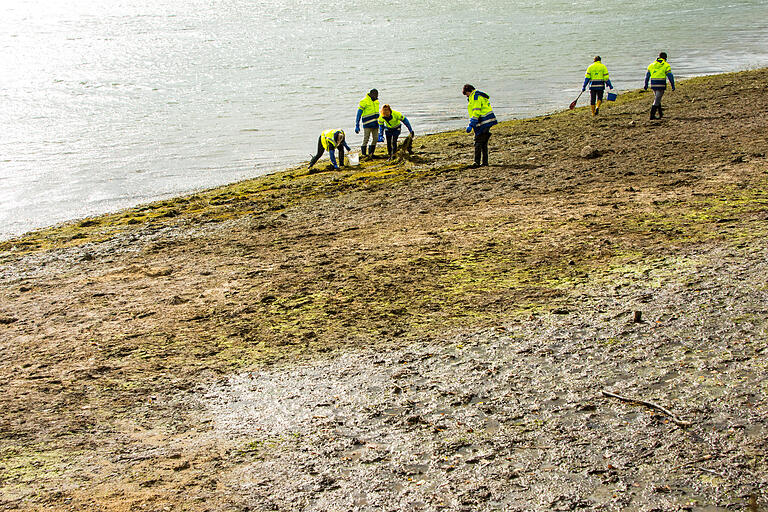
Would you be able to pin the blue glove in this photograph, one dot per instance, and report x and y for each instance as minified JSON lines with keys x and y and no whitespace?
{"x":357,"y":128}
{"x":469,"y":129}
{"x":381,"y":138}
{"x":584,"y":89}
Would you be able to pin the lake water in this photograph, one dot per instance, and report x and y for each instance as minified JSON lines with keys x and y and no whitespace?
{"x":105,"y":104}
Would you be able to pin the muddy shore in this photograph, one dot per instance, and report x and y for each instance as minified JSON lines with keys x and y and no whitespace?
{"x":414,"y":335}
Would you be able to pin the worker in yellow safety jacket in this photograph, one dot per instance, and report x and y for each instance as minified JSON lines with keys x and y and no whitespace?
{"x":331,"y":141}
{"x":659,"y":71}
{"x":368,"y":112}
{"x":390,"y":124}
{"x":481,"y":118}
{"x":597,"y":78}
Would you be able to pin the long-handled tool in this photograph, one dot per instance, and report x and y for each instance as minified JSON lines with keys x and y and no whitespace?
{"x":573,"y":103}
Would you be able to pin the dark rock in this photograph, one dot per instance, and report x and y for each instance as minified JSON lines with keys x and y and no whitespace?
{"x":181,"y":467}
{"x":589,"y":152}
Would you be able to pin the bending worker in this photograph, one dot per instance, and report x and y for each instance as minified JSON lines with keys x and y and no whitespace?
{"x":330,"y":140}
{"x":597,"y":78}
{"x":658,"y":73}
{"x":481,"y":118}
{"x":389,"y":123}
{"x":368,"y":111}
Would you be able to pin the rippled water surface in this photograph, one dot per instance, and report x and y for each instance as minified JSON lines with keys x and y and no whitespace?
{"x":105,"y":104}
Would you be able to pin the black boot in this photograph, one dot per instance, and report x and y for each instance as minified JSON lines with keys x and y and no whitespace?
{"x":661,"y":112}
{"x":362,"y":150}
{"x":654,"y":108}
{"x":478,"y":150}
{"x":372,"y":151}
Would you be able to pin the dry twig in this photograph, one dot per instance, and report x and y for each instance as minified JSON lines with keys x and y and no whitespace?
{"x":677,"y":421}
{"x":721,"y":475}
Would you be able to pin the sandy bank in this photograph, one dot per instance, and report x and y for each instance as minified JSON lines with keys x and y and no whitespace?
{"x":452,"y":328}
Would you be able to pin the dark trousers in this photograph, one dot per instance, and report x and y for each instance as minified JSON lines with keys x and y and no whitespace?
{"x":595,"y":95}
{"x":321,"y":150}
{"x":392,"y":136}
{"x":481,"y":147}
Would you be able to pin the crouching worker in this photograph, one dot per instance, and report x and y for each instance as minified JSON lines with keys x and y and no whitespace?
{"x":481,"y":118}
{"x":389,"y":125}
{"x":331,"y":140}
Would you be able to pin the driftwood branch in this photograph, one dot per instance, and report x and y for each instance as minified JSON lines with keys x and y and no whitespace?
{"x":677,"y":421}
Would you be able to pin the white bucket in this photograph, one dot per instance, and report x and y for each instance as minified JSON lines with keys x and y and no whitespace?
{"x":354,"y":159}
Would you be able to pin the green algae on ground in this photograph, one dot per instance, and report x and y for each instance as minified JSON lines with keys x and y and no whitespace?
{"x":285,"y":189}
{"x":21,"y":466}
{"x":508,"y":270}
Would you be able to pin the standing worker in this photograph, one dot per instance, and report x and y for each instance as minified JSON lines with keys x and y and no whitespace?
{"x":597,"y":78}
{"x":368,"y":111}
{"x":330,"y":140}
{"x":481,"y":118}
{"x":658,"y":73}
{"x":390,"y":121}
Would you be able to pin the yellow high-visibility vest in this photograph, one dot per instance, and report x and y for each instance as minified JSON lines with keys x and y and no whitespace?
{"x":597,"y":74}
{"x":479,"y":107}
{"x":658,"y":70}
{"x":328,"y":138}
{"x":370,"y":110}
{"x":394,"y":121}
